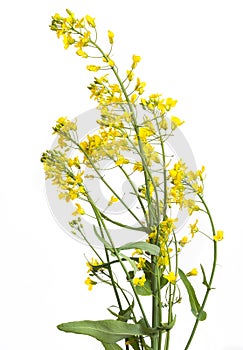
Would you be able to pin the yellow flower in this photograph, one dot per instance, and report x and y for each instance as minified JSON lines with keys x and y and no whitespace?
{"x":140,"y":86}
{"x":133,"y":98}
{"x":144,"y":133}
{"x":163,"y":124}
{"x":137,"y":252}
{"x":156,"y":181}
{"x":80,"y":23}
{"x":197,"y":188}
{"x":194,"y":228}
{"x":74,"y":162}
{"x":190,"y":205}
{"x":57,"y":17}
{"x":167,"y":225}
{"x":121,"y":160}
{"x":91,"y":264}
{"x":200,"y":173}
{"x":143,"y":190}
{"x":81,"y":53}
{"x":193,"y":272}
{"x":138,"y":166}
{"x":163,"y":261}
{"x":68,"y":40}
{"x":111,"y":37}
{"x":170,"y":103}
{"x":79,"y":210}
{"x":152,"y":235}
{"x":93,"y":68}
{"x":62,"y":120}
{"x":113,"y":200}
{"x":184,"y":241}
{"x":219,"y":236}
{"x":171,"y":277}
{"x":111,"y":63}
{"x":90,"y":20}
{"x":130,"y":75}
{"x":175,"y":122}
{"x":135,"y":60}
{"x":141,"y":263}
{"x":90,"y":283}
{"x":139,"y":281}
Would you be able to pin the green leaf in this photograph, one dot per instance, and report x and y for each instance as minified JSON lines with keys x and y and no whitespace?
{"x":111,"y":346}
{"x":107,"y":331}
{"x":195,"y":306}
{"x":113,"y":312}
{"x":168,"y":326}
{"x":123,"y":315}
{"x":204,"y":277}
{"x":148,"y":247}
{"x":144,"y":290}
{"x":163,"y":282}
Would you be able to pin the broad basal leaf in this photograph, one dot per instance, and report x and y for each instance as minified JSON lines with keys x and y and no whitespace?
{"x":111,"y":346}
{"x":106,"y":331}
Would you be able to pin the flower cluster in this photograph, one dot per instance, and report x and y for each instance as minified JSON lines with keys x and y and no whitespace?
{"x":134,"y":143}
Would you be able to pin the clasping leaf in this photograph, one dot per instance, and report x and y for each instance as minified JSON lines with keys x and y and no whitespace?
{"x":195,"y":306}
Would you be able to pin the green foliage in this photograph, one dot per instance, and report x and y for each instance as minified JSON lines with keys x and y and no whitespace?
{"x":108,"y":346}
{"x":168,"y":326}
{"x":204,"y":277}
{"x":123,"y":315}
{"x":195,"y":306}
{"x":144,"y":290}
{"x":147,"y":247}
{"x":160,"y":190}
{"x":106,"y":331}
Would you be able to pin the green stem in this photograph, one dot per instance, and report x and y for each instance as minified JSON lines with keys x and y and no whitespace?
{"x":209,"y":287}
{"x":164,"y":217}
{"x":135,"y":191}
{"x":164,"y":170}
{"x":171,"y":295}
{"x":156,"y":307}
{"x":106,"y":253}
{"x":98,"y":217}
{"x":116,"y":253}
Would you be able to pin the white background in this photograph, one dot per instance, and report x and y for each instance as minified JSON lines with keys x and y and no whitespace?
{"x":192,"y":51}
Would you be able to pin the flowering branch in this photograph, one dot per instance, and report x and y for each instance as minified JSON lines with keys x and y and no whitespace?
{"x":153,"y":267}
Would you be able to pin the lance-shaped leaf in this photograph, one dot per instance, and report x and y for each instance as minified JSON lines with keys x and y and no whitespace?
{"x":168,"y":326}
{"x":111,"y":346}
{"x":205,"y":282}
{"x":195,"y":306}
{"x":147,"y":247}
{"x":123,"y":315}
{"x":106,"y":331}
